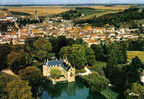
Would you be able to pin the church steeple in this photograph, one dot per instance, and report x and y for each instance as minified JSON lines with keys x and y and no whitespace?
{"x":36,"y":15}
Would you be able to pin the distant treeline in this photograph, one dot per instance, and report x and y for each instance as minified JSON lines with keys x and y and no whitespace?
{"x":71,"y":14}
{"x":25,"y":21}
{"x":78,"y":12}
{"x":115,"y":18}
{"x":20,"y":13}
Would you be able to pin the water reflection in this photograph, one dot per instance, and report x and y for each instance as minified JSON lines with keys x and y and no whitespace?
{"x":95,"y":95}
{"x":75,"y":90}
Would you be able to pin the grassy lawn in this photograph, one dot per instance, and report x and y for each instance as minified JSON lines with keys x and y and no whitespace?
{"x":132,"y":54}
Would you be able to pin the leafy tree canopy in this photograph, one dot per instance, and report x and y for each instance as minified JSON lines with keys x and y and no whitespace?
{"x":18,"y":89}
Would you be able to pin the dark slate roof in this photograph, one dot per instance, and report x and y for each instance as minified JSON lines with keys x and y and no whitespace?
{"x":58,"y":63}
{"x":55,"y":62}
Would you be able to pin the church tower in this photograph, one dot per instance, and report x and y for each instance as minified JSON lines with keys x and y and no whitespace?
{"x":36,"y":15}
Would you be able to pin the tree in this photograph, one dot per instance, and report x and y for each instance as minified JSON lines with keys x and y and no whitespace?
{"x":38,"y":50}
{"x":4,"y":51}
{"x":136,"y":63}
{"x":136,"y":91}
{"x":62,"y":41}
{"x":90,"y":56}
{"x":17,"y":60}
{"x":96,"y":82}
{"x":80,"y":41}
{"x":53,"y":41}
{"x":58,"y":43}
{"x":100,"y":52}
{"x":70,"y":42}
{"x":55,"y":72}
{"x":28,"y":48}
{"x":122,"y":48}
{"x":75,"y":54}
{"x":18,"y":89}
{"x":117,"y":54}
{"x":4,"y":80}
{"x":133,"y":71}
{"x":112,"y":59}
{"x":42,"y":48}
{"x":115,"y":19}
{"x":34,"y":76}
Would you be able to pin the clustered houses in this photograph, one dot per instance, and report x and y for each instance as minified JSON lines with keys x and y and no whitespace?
{"x":94,"y":35}
{"x":18,"y":35}
{"x":8,"y":18}
{"x":57,"y":26}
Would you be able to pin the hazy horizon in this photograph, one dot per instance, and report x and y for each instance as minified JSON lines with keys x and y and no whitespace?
{"x":9,"y":2}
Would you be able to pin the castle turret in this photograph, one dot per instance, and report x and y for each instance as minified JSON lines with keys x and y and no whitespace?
{"x":142,"y":77}
{"x":71,"y":75}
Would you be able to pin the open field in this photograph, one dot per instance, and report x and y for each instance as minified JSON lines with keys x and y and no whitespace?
{"x":132,"y":54}
{"x":52,"y":10}
{"x":42,"y":11}
{"x":3,"y":13}
{"x":116,"y":7}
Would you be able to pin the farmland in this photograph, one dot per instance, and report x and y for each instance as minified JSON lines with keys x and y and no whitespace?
{"x":42,"y":11}
{"x":52,"y":10}
{"x":116,"y":7}
{"x":132,"y":54}
{"x":3,"y":13}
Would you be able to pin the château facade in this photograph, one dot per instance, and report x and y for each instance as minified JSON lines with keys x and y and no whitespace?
{"x":67,"y":71}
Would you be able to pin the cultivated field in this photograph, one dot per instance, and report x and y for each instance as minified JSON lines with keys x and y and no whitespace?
{"x":116,"y":7}
{"x":47,"y":10}
{"x":132,"y":54}
{"x":42,"y":11}
{"x":3,"y":13}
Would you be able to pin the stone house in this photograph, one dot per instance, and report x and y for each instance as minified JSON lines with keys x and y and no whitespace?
{"x":67,"y":71}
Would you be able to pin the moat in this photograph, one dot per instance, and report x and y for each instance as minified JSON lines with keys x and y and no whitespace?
{"x":75,"y":90}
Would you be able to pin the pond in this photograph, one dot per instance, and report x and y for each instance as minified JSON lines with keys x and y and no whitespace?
{"x":75,"y":90}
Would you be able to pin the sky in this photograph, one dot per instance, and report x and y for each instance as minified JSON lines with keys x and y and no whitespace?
{"x":68,"y":1}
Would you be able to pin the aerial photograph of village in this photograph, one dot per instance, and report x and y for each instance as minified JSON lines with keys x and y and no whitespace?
{"x":71,"y":49}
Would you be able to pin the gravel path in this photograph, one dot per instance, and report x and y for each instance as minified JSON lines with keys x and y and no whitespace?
{"x":86,"y":73}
